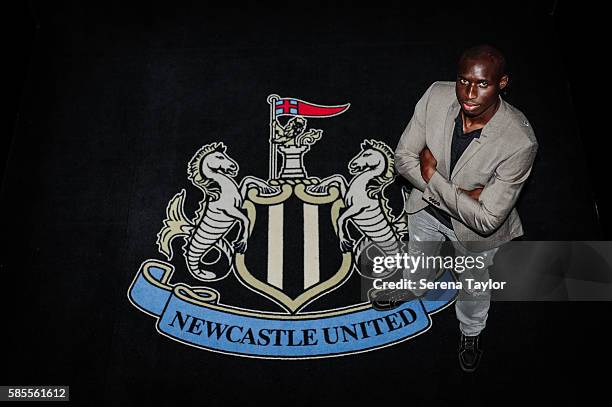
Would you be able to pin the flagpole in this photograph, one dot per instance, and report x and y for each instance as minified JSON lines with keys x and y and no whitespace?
{"x":273,"y":152}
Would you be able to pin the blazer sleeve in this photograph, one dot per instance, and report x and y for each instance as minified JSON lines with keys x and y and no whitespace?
{"x":411,"y":143}
{"x":497,"y":198}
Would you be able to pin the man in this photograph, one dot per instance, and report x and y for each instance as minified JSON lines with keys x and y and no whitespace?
{"x":467,"y":153}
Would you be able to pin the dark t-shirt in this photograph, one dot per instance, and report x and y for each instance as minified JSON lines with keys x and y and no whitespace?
{"x":460,"y":142}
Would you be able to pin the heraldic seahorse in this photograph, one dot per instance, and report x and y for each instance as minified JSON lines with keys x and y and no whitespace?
{"x":366,"y":205}
{"x":212,"y":171}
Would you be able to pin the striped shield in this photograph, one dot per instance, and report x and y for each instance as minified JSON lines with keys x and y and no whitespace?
{"x":289,"y":232}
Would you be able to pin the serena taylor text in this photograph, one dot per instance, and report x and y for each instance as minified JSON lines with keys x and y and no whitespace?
{"x":424,"y":284}
{"x":291,"y":337}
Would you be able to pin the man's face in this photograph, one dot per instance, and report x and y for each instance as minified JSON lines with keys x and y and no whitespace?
{"x":478,"y":85}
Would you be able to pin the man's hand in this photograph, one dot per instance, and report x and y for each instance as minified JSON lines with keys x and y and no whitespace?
{"x":474,"y":193}
{"x":428,"y":164}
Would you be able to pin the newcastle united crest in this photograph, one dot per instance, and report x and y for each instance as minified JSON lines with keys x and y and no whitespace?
{"x":214,"y":243}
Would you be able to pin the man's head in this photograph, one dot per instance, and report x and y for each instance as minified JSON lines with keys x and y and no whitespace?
{"x":481,"y":75}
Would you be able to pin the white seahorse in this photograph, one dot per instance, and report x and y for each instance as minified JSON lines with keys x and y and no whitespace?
{"x":366,"y":205}
{"x":212,"y":171}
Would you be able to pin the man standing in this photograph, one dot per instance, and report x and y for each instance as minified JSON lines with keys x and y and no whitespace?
{"x":468,"y":154}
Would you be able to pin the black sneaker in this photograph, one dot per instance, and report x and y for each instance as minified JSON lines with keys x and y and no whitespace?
{"x":469,"y":353}
{"x":383,"y":300}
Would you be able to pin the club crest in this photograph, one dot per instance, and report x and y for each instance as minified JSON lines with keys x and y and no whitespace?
{"x":292,"y":238}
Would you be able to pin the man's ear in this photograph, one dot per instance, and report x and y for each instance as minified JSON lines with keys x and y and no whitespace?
{"x":503,"y":82}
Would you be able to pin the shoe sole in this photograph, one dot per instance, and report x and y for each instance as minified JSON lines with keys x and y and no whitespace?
{"x":467,"y":369}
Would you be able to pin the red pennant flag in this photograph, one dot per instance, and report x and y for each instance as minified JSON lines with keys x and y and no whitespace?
{"x":297,"y":107}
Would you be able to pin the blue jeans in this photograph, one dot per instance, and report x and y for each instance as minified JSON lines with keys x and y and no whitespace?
{"x":472,"y":306}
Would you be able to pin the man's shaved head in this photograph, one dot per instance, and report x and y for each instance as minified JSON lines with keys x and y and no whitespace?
{"x":481,"y":76}
{"x":486,"y":52}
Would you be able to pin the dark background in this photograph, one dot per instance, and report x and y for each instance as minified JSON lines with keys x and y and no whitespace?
{"x":107,"y":101}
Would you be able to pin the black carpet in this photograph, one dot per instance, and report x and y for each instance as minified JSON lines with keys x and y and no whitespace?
{"x":116,"y":101}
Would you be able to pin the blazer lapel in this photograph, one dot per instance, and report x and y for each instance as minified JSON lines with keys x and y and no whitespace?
{"x":449,"y":126}
{"x":492,"y":129}
{"x":469,"y":152}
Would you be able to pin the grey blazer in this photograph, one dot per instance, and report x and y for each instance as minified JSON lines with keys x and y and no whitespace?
{"x":500,"y":161}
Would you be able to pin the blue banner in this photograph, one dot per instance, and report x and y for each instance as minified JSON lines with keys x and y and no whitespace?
{"x":194,"y":317}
